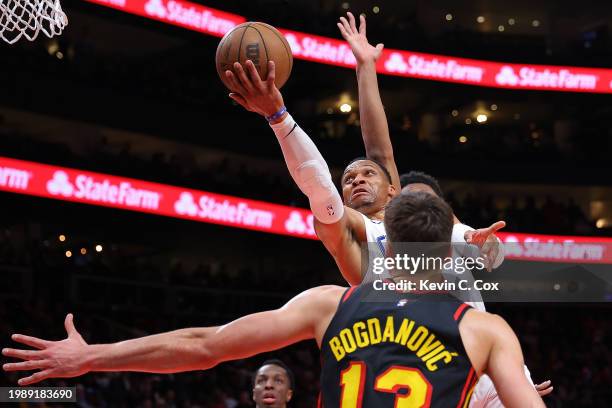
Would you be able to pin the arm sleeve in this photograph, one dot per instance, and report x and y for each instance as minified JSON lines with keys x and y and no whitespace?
{"x":309,"y":171}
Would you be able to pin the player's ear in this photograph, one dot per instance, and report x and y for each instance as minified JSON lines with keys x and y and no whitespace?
{"x":392,"y":190}
{"x":289,"y":395}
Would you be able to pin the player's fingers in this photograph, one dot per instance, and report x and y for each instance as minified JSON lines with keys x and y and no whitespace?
{"x":22,"y":354}
{"x":545,"y":391}
{"x":352,"y":22}
{"x":31,"y":341}
{"x":343,"y":31}
{"x":496,"y":226}
{"x":256,"y":80}
{"x":362,"y":25}
{"x":543,"y":385}
{"x":26,"y":365}
{"x":69,"y":325}
{"x":235,"y":85}
{"x":346,"y":25}
{"x":478,"y":238}
{"x":271,"y":75}
{"x":380,"y":47}
{"x":243,"y":79}
{"x":474,"y":237}
{"x":36,"y":377}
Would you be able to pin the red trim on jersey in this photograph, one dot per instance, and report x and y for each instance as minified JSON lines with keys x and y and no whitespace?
{"x":348,"y":293}
{"x":319,"y":402}
{"x":470,"y":392}
{"x":469,"y":379}
{"x":460,"y":310}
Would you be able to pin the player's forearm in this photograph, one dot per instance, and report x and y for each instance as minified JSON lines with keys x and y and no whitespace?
{"x":180,"y":350}
{"x":309,"y":171}
{"x":374,"y":126}
{"x":296,"y":145}
{"x":522,"y":398}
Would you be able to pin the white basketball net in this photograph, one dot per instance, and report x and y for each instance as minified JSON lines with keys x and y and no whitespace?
{"x":26,"y":18}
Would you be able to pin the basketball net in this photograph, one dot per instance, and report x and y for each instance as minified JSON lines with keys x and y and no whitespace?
{"x":27,"y":18}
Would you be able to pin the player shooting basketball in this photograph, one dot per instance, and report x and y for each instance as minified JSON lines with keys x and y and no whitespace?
{"x":342,"y":223}
{"x":411,"y":349}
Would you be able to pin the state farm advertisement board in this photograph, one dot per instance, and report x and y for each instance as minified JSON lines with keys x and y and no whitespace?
{"x":184,"y":14}
{"x":336,"y":52}
{"x":128,"y":194}
{"x":60,"y":183}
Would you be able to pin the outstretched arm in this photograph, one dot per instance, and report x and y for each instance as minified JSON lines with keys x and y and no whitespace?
{"x":304,"y":161}
{"x":374,"y":126}
{"x":336,"y":226}
{"x":181,"y":350}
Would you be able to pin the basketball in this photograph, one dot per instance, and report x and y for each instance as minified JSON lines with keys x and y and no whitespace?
{"x":260,"y":43}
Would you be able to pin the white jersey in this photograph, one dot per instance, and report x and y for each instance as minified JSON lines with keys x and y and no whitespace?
{"x":376,"y":237}
{"x":484,"y":395}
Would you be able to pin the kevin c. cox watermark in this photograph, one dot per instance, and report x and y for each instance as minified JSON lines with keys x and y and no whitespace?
{"x":432,"y":272}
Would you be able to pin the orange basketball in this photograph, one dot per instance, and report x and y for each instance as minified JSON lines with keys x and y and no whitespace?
{"x":258,"y":42}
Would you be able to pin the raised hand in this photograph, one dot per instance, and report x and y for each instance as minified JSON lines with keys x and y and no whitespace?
{"x":52,"y":359}
{"x":253,"y":93}
{"x":364,"y":52}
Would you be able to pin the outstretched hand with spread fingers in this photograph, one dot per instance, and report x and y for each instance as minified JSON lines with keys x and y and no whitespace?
{"x":53,"y":359}
{"x":362,"y":49}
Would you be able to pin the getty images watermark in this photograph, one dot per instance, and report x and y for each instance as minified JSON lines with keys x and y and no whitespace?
{"x":536,"y":270}
{"x":429,"y":273}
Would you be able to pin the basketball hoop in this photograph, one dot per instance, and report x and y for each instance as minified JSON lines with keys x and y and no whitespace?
{"x":26,"y":18}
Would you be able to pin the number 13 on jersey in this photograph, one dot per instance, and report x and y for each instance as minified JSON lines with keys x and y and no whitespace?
{"x":395,"y":378}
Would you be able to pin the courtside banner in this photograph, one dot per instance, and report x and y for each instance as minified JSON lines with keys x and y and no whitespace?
{"x":184,"y":14}
{"x":336,"y":52}
{"x":60,"y":183}
{"x":85,"y":187}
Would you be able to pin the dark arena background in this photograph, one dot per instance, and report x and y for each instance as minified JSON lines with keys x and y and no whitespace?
{"x":128,"y":98}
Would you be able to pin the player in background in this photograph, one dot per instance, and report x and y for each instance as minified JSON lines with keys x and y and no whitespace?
{"x":344,"y":223}
{"x":374,"y":366}
{"x":273,"y":385}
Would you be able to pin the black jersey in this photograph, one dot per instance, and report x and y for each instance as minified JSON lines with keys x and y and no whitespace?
{"x":403,"y":352}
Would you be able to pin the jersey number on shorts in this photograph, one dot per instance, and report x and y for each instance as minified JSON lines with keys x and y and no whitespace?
{"x":417,"y":390}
